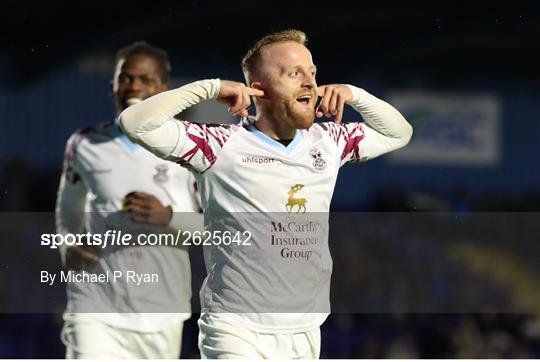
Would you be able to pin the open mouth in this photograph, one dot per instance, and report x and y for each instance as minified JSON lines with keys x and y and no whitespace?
{"x":133,"y":100}
{"x":305,"y":99}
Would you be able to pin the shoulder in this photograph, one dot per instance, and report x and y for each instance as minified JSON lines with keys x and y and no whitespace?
{"x":337,"y":127}
{"x":89,"y":135}
{"x":219,"y":133}
{"x":325,"y":127}
{"x":338,"y":131}
{"x":211,"y":127}
{"x":97,"y":132}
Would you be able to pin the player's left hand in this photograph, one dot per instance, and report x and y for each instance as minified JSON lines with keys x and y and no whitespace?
{"x":334,"y":97}
{"x":146,"y":208}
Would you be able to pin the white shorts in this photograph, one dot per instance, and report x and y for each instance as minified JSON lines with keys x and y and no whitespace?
{"x":221,"y":339}
{"x":87,"y":338}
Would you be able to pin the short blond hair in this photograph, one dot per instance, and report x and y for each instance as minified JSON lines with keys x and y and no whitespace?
{"x":253,"y":55}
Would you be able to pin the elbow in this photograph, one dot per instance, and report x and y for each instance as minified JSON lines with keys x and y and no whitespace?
{"x":407,"y":134}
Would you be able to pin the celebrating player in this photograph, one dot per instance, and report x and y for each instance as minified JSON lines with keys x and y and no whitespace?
{"x":110,"y":182}
{"x":268,"y":299}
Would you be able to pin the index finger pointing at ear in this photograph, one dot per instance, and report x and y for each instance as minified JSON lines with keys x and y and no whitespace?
{"x":255,"y":92}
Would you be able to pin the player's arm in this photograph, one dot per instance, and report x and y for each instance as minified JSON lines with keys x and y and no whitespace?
{"x":151,"y":123}
{"x":384,"y":130}
{"x":146,"y":208}
{"x":69,"y":212}
{"x":186,"y":221}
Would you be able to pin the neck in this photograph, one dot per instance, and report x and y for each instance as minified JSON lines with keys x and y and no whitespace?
{"x":274,"y":128}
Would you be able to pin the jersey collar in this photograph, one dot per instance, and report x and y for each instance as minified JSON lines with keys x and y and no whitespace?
{"x":275,"y":144}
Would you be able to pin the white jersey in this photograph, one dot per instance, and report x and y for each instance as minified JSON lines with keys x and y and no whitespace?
{"x":250,"y":182}
{"x":101,"y":166}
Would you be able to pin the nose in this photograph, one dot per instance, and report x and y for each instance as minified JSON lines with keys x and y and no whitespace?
{"x":135,"y":84}
{"x":309,"y":81}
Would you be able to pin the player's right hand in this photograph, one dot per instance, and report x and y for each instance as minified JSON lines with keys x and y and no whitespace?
{"x":80,"y":257}
{"x":237,"y":96}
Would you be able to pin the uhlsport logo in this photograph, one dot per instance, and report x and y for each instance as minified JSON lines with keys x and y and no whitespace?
{"x":257,"y":160}
{"x":161,"y":175}
{"x":300,"y":202}
{"x":318,"y":161}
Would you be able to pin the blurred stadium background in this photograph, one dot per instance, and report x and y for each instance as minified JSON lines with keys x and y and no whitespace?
{"x":464,"y":73}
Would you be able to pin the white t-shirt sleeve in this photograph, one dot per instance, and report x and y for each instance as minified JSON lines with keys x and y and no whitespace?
{"x":151,"y":124}
{"x":384,"y":130}
{"x":71,"y":197}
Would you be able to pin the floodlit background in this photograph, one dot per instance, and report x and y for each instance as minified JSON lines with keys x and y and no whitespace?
{"x":464,"y":74}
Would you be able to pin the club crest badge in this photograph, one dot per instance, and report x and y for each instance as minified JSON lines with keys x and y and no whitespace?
{"x":318,"y":161}
{"x":161,"y":175}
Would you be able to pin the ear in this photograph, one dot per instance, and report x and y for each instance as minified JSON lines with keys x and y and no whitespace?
{"x":257,"y":85}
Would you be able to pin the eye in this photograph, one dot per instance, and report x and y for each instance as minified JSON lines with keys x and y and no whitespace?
{"x":295,"y":74}
{"x":148,"y":81}
{"x":124,"y":79}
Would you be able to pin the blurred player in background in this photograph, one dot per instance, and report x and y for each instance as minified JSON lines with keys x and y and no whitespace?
{"x":269,"y":299}
{"x":109,"y":182}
